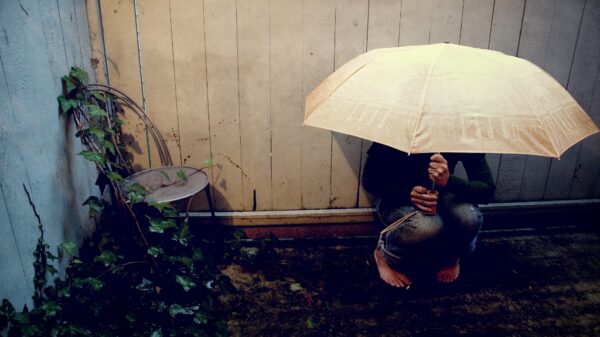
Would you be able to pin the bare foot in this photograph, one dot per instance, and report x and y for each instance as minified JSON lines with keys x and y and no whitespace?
{"x":389,"y":275}
{"x":449,"y":273}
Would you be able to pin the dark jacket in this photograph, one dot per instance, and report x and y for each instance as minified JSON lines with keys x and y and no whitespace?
{"x":391,"y":174}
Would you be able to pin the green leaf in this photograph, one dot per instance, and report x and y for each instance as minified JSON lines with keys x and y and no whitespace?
{"x":159,"y":225}
{"x":66,"y":104}
{"x":51,"y":270}
{"x":95,"y":205}
{"x":108,"y":145}
{"x":134,"y":197}
{"x":178,"y":309}
{"x":107,"y":258}
{"x":185,"y":282}
{"x":50,"y":308}
{"x":200,"y":318}
{"x":64,"y":292}
{"x":208,"y":163}
{"x":69,"y":84}
{"x":115,"y":177}
{"x":157,"y":333}
{"x":98,"y":95}
{"x":296,"y":287}
{"x":310,"y":323}
{"x":79,"y":74}
{"x":145,"y":286}
{"x":197,"y":254}
{"x":182,"y":176}
{"x":98,"y":132}
{"x":164,"y":207}
{"x":94,"y":283}
{"x":69,"y":247}
{"x":93,"y":156}
{"x":155,"y":251}
{"x":95,"y":111}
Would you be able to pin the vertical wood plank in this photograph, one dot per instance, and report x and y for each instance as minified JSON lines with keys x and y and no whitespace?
{"x":504,"y":37}
{"x":124,"y":70}
{"x":190,"y":80}
{"x":446,"y":19}
{"x":558,"y":64}
{"x":158,"y":72}
{"x":253,"y":45}
{"x":32,"y":137}
{"x":55,"y":44}
{"x":475,"y":29}
{"x":533,"y":46}
{"x":383,"y":32}
{"x":83,"y":30}
{"x":286,"y":103}
{"x":415,"y":22}
{"x":476,"y":23}
{"x":350,"y":41}
{"x":68,"y":22}
{"x":384,"y":24}
{"x":94,"y":17}
{"x":584,"y":85}
{"x":223,"y":102}
{"x":318,"y":25}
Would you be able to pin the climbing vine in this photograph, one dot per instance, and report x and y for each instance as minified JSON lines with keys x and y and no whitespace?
{"x":144,"y":272}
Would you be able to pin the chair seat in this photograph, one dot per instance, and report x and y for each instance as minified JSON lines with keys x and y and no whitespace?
{"x":170,"y":183}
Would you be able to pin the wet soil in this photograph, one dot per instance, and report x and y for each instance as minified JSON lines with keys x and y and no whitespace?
{"x":513,"y":285}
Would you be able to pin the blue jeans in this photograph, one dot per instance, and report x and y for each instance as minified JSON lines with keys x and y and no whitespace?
{"x":440,"y":238}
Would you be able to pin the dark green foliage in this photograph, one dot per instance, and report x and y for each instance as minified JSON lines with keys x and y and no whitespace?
{"x":142,"y":273}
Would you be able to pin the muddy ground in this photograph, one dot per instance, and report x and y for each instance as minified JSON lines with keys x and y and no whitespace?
{"x":513,"y":285}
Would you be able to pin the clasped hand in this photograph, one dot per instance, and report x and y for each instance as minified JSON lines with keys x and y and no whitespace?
{"x":426,"y":200}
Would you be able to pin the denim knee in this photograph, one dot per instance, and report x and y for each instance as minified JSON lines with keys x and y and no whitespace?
{"x":465,"y":218}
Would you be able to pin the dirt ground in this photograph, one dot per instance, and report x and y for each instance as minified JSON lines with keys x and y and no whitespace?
{"x":513,"y":285}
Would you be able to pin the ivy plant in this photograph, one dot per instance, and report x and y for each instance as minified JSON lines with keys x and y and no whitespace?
{"x":143,"y":272}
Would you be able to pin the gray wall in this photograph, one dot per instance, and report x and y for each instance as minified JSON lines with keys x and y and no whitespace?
{"x":39,"y":42}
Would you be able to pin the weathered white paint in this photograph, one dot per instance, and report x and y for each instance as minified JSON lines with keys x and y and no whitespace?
{"x":298,"y":43}
{"x":39,"y":42}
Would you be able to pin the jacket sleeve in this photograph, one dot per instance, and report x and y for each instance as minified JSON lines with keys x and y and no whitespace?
{"x":383,"y":176}
{"x":480,"y":186}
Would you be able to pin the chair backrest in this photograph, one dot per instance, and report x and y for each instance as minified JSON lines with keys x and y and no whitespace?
{"x":112,"y":102}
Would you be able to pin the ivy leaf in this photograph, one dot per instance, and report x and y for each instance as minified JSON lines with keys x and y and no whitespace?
{"x":114,"y":177}
{"x":79,"y":74}
{"x":94,"y":110}
{"x":159,"y":225}
{"x":197,"y":254}
{"x":95,"y":205}
{"x":94,"y":283}
{"x":50,"y":308}
{"x":182,"y":176}
{"x":66,"y":104}
{"x":98,"y":132}
{"x":68,"y":84}
{"x":98,"y":95}
{"x":185,"y":282}
{"x":93,"y":156}
{"x":108,"y":145}
{"x":157,"y":333}
{"x":164,"y":207}
{"x":145,"y":286}
{"x":178,"y":309}
{"x":68,"y":247}
{"x":155,"y":251}
{"x":200,"y":318}
{"x":134,"y":197}
{"x":51,"y":270}
{"x":107,"y":258}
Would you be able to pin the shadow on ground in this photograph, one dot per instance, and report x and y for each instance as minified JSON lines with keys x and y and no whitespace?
{"x":527,"y":285}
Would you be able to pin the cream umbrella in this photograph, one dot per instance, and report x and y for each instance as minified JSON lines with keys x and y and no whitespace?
{"x":449,"y":98}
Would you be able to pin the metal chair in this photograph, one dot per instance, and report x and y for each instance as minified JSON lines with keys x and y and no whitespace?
{"x":167,"y":183}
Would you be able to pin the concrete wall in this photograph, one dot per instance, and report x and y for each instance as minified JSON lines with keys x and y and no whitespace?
{"x":227,"y":79}
{"x":39,"y":42}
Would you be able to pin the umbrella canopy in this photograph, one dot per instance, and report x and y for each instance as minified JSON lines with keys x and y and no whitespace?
{"x":449,"y":98}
